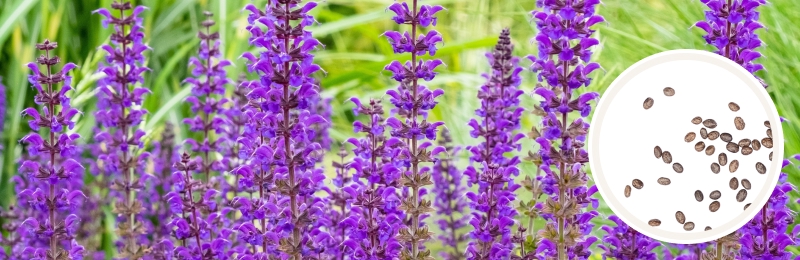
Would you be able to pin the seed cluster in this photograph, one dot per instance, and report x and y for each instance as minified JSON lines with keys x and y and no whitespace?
{"x":708,"y":134}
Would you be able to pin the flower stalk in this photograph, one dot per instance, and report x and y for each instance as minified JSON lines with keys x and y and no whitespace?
{"x":120,"y":114}
{"x":563,"y":63}
{"x":493,"y":213}
{"x":50,"y":191}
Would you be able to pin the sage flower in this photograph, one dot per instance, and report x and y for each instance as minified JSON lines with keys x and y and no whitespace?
{"x":563,"y":65}
{"x":50,"y":191}
{"x":282,"y":112}
{"x":493,"y":212}
{"x":376,"y":218}
{"x":449,"y":201}
{"x":625,"y":243}
{"x":120,"y":113}
{"x":411,"y":100}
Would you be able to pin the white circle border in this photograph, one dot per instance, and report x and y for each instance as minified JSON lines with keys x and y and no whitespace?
{"x":595,"y":158}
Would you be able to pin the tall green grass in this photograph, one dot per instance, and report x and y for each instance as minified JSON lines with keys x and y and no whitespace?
{"x":355,"y":54}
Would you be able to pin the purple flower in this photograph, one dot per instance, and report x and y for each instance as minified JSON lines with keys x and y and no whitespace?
{"x":278,"y":141}
{"x":730,"y":27}
{"x":563,"y":63}
{"x":449,"y":199}
{"x":375,"y":218}
{"x":117,"y":95}
{"x":199,"y":203}
{"x":52,"y":192}
{"x":624,"y":243}
{"x":492,"y":206}
{"x":412,"y":100}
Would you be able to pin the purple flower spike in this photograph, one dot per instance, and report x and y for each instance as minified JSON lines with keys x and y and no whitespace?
{"x":51,"y":194}
{"x":198,"y":203}
{"x":280,"y":142}
{"x":730,"y":27}
{"x":375,"y":218}
{"x":413,"y":100}
{"x":119,"y":114}
{"x":623,"y":242}
{"x":449,"y":202}
{"x":564,"y":60}
{"x":492,"y":206}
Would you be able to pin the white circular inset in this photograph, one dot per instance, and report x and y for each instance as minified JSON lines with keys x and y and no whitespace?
{"x":624,"y":135}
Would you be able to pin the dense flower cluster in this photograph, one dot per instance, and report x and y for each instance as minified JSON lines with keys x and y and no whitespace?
{"x":52,"y":172}
{"x":563,"y":63}
{"x":119,"y":112}
{"x":765,"y":236}
{"x":625,"y":243}
{"x":730,"y":27}
{"x":279,"y":137}
{"x":412,"y":101}
{"x":198,"y":221}
{"x":376,"y":218}
{"x":493,"y":210}
{"x":339,"y":208}
{"x":450,"y":203}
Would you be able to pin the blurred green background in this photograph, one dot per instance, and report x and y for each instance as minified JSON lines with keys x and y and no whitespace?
{"x":355,"y":54}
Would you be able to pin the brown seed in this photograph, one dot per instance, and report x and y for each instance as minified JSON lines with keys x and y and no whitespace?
{"x":767,"y":142}
{"x":755,"y":144}
{"x":697,"y":120}
{"x":677,"y":167}
{"x":747,"y":206}
{"x":708,"y":228}
{"x":739,"y":123}
{"x":669,"y":91}
{"x":713,"y":135}
{"x":761,"y":168}
{"x":766,"y":123}
{"x":698,"y":195}
{"x":667,"y":157}
{"x":770,"y":156}
{"x":680,"y":217}
{"x":733,"y":183}
{"x":744,"y":142}
{"x":657,"y":151}
{"x":714,"y":167}
{"x":688,"y":226}
{"x":723,"y":159}
{"x":769,"y":133}
{"x":747,"y":150}
{"x":710,"y":123}
{"x":734,"y":166}
{"x":745,"y":184}
{"x":627,"y":191}
{"x":654,"y":222}
{"x":648,"y":103}
{"x":664,"y":181}
{"x":699,"y":146}
{"x":726,"y":137}
{"x":710,"y":150}
{"x":732,"y":147}
{"x":714,"y":206}
{"x":689,"y":137}
{"x":741,"y":195}
{"x":637,"y":183}
{"x":703,"y":133}
{"x":733,"y":106}
{"x":715,"y":195}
